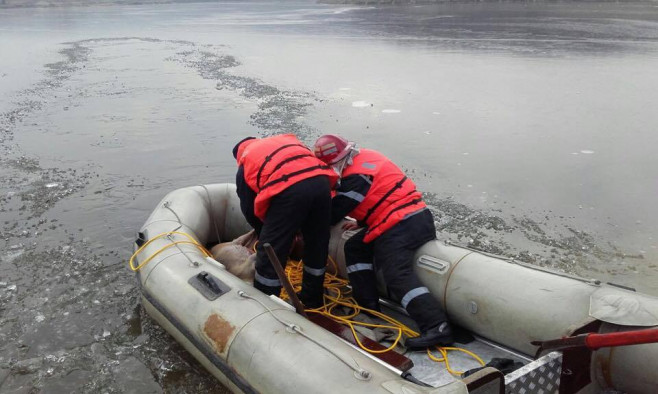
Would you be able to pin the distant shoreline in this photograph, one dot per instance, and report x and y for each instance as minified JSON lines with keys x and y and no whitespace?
{"x":426,"y":2}
{"x":5,"y":4}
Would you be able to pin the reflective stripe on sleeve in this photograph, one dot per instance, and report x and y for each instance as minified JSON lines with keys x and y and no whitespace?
{"x":352,"y":194}
{"x":366,"y":178}
{"x":407,"y":216}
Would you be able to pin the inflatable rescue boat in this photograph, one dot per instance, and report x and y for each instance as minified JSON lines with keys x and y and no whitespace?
{"x":253,"y":343}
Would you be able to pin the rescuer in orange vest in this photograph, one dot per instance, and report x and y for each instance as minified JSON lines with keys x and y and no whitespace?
{"x":395,"y":222}
{"x":284,"y":188}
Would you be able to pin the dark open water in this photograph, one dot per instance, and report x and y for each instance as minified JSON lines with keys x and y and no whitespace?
{"x":531,"y":127}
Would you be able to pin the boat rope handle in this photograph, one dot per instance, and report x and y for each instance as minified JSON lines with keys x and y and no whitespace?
{"x":359,"y":372}
{"x":167,"y":205}
{"x":190,"y":240}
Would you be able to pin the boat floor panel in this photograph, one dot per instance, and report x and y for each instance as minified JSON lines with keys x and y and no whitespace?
{"x":436,"y":374}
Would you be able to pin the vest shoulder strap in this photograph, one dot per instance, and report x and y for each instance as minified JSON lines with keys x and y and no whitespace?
{"x":269,"y":157}
{"x":384,"y":197}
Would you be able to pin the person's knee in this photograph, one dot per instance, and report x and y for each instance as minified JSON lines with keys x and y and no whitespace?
{"x":395,"y":269}
{"x":400,"y":282}
{"x":316,"y":239}
{"x":353,"y":247}
{"x":280,"y":246}
{"x":263,"y":265}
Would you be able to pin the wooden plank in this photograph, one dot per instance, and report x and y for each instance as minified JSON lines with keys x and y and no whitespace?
{"x":299,"y":307}
{"x":391,"y":358}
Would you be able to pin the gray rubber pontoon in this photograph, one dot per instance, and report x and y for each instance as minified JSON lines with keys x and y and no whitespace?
{"x":254,"y":343}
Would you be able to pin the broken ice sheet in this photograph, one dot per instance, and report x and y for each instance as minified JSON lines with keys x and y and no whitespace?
{"x":360,"y":104}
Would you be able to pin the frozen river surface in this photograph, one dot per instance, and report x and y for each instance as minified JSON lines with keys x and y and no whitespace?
{"x":532,"y":129}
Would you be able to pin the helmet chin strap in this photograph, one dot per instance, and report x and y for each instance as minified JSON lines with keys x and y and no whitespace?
{"x":340,"y":165}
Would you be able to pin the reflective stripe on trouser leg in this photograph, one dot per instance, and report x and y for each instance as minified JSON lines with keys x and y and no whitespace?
{"x":264,"y":287}
{"x":282,"y":220}
{"x":364,"y":285}
{"x":312,"y":288}
{"x":360,"y":270}
{"x":266,"y":281}
{"x":315,"y":271}
{"x":426,"y":311}
{"x":316,"y":193}
{"x":359,"y":267}
{"x":312,"y":284}
{"x":403,"y":284}
{"x":413,"y":293}
{"x":267,"y":285}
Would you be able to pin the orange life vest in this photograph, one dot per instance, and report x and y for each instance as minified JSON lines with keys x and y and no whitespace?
{"x":391,"y":197}
{"x":273,"y":164}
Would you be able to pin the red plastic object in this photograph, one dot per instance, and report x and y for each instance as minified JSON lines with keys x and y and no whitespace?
{"x":596,"y":341}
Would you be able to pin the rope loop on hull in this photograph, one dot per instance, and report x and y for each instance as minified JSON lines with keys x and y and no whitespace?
{"x":190,"y":240}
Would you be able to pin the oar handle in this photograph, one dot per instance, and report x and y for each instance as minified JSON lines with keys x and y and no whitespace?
{"x":597,"y":341}
{"x":299,"y":307}
{"x":625,"y":338}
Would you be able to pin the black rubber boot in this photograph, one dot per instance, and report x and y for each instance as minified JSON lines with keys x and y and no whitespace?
{"x":268,"y":290}
{"x":312,"y":294}
{"x":373,"y":305}
{"x":310,"y":302}
{"x":440,"y":335}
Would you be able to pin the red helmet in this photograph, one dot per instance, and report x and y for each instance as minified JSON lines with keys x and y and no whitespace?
{"x":331,"y":148}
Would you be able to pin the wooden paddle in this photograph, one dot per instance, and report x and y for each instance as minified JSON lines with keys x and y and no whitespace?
{"x":299,"y":307}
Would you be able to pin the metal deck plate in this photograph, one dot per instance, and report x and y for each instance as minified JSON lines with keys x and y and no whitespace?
{"x":541,"y":376}
{"x":436,"y":374}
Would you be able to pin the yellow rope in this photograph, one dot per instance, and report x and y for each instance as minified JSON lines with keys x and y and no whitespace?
{"x":189,"y":237}
{"x":336,"y":286}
